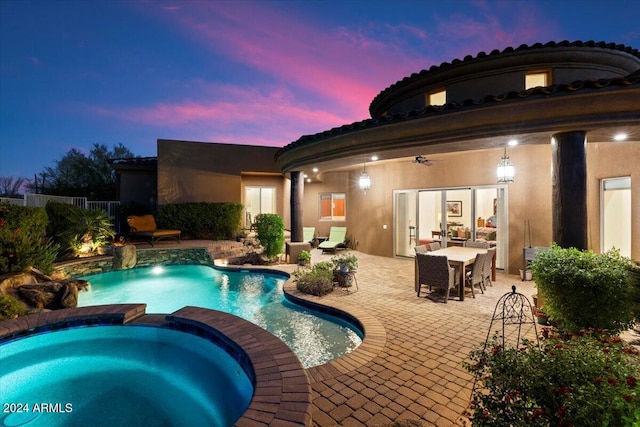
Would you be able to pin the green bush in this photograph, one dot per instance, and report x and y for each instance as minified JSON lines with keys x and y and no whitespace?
{"x":634,"y":277}
{"x":71,"y":227}
{"x":270,"y":233}
{"x":582,"y":289}
{"x":22,"y":230}
{"x":202,"y":220}
{"x":89,"y":230}
{"x":583,"y":379}
{"x":10,"y":308}
{"x":59,"y":215}
{"x":317,"y":280}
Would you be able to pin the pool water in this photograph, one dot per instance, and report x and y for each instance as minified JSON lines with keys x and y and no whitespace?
{"x":120,"y":375}
{"x":257,"y":297}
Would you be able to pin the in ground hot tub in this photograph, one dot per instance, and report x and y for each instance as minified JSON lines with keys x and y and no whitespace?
{"x":120,"y":375}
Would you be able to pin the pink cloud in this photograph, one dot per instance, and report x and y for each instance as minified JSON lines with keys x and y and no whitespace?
{"x":318,"y":78}
{"x":272,"y":116}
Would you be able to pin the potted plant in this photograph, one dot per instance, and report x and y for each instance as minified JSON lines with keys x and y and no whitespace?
{"x":345,"y":263}
{"x":304,"y":258}
{"x":344,"y":266}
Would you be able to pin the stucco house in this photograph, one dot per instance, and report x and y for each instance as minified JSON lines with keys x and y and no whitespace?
{"x":567,"y":116}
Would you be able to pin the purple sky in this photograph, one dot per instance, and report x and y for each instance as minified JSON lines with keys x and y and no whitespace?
{"x":75,"y":73}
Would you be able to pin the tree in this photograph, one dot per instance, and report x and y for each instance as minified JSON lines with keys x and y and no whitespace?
{"x":78,"y":175}
{"x":10,"y":186}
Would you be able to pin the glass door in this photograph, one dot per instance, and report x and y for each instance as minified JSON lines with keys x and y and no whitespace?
{"x":492,"y":219}
{"x":258,"y":200}
{"x":615,"y":215}
{"x":405,"y":238}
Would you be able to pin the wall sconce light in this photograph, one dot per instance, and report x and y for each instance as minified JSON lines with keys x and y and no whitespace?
{"x":365,"y":180}
{"x":506,"y":170}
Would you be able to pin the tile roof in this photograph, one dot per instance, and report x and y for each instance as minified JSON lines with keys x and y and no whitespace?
{"x":538,"y":92}
{"x":496,"y":53}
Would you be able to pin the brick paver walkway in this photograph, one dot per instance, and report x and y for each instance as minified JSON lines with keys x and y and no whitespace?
{"x":418,"y":373}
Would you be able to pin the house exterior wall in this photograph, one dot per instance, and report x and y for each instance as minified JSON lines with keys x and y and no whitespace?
{"x":279,"y":182}
{"x":209,"y":172}
{"x":332,"y":182}
{"x":138,"y":186}
{"x":529,"y":197}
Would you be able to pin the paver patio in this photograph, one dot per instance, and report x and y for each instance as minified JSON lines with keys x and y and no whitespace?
{"x":418,"y":372}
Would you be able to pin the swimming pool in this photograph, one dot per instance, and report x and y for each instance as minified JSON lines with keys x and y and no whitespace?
{"x":120,"y":375}
{"x":316,"y":338}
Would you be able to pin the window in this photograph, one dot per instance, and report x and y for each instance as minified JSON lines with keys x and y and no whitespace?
{"x":258,"y":200}
{"x":438,"y":97}
{"x":538,"y":78}
{"x":333,"y":207}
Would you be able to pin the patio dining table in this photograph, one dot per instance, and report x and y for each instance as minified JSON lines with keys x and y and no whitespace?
{"x":459,"y":258}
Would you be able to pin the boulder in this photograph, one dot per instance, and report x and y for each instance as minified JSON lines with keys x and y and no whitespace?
{"x":52,"y":295}
{"x":124,"y":257}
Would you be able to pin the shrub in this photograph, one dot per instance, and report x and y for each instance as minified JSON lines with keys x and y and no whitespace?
{"x":22,"y":230}
{"x":270,"y":233}
{"x":76,"y":229}
{"x":582,"y":289}
{"x":58,"y":226}
{"x":89,"y":230}
{"x":202,"y":220}
{"x":317,"y":280}
{"x":10,"y":308}
{"x":634,"y":277}
{"x":583,"y":379}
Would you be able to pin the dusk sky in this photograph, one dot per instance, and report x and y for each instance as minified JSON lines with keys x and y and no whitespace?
{"x":78,"y":72}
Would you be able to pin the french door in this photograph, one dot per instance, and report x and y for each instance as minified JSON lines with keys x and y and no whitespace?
{"x":419,"y":214}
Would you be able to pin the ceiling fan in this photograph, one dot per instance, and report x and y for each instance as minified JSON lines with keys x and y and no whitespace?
{"x":421,"y":160}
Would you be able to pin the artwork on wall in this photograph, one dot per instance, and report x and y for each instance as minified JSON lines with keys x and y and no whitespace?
{"x":454,"y":208}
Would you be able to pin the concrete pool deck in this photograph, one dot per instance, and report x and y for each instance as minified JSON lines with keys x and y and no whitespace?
{"x":410,"y":366}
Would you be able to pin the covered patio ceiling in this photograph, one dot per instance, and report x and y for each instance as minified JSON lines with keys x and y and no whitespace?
{"x":600,"y":107}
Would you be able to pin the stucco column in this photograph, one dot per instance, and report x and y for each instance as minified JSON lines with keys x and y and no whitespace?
{"x":569,"y":189}
{"x":297,"y":194}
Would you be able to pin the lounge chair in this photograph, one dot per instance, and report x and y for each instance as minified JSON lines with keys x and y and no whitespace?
{"x":308,"y":234}
{"x":145,"y":226}
{"x":337,"y":236}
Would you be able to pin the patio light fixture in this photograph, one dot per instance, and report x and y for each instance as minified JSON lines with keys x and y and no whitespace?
{"x":365,"y":180}
{"x":506,"y":170}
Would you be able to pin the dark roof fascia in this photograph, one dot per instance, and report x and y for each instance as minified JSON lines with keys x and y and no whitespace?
{"x":134,"y":163}
{"x":434,"y":70}
{"x":617,"y":83}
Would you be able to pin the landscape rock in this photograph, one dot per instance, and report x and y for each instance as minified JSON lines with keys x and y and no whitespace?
{"x":52,"y":295}
{"x":124,"y":257}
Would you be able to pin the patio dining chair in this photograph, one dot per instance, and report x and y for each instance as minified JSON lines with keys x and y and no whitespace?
{"x":475,"y":276}
{"x":434,"y":271}
{"x":488,"y":268}
{"x":477,"y":244}
{"x":434,"y":246}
